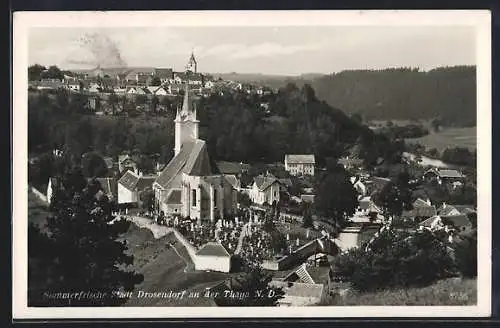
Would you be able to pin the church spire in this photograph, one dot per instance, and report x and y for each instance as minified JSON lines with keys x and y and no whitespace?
{"x":186,"y":124}
{"x":186,"y":104}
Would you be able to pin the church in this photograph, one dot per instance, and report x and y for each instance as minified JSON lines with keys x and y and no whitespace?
{"x":190,"y":186}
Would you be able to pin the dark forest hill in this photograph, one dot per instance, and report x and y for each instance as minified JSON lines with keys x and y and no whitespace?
{"x":448,"y":93}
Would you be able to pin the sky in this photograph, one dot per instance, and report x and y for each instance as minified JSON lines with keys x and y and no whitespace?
{"x":283,"y":50}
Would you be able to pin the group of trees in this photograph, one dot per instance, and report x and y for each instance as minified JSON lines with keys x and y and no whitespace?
{"x":238,"y":129}
{"x":400,"y":259}
{"x":37,"y":72}
{"x":404,"y":131}
{"x":404,"y":93}
{"x":78,"y":253}
{"x":235,"y":127}
{"x":336,"y":199}
{"x":52,"y":123}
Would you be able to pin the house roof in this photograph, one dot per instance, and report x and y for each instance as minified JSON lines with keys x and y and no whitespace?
{"x":164,"y":73}
{"x":420,"y":211}
{"x":349,"y":161}
{"x":232,"y":179}
{"x":192,"y":159}
{"x":465,"y":209}
{"x":300,"y":159}
{"x":264,"y":182}
{"x":462,"y":209}
{"x":129,"y":180}
{"x":191,"y":76}
{"x":457,"y":221}
{"x":307,"y":198}
{"x":174,"y":197}
{"x":145,"y":182}
{"x":232,"y":167}
{"x":213,"y":249}
{"x":445,"y":173}
{"x":286,"y":181}
{"x":366,"y":204}
{"x":376,"y":185}
{"x":450,"y":174}
{"x":428,"y":222}
{"x":419,"y":202}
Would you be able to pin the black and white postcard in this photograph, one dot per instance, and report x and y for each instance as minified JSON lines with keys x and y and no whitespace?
{"x":301,"y":163}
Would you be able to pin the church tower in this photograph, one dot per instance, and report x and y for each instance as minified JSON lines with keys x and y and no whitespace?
{"x":192,"y":65}
{"x":186,"y":124}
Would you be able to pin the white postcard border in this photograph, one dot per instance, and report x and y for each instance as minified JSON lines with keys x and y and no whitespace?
{"x":23,"y":21}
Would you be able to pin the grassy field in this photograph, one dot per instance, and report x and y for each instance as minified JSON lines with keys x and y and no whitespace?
{"x":166,"y":269}
{"x":453,"y":291}
{"x":448,"y":137}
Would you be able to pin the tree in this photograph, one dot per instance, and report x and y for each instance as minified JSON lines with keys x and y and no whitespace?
{"x":307,"y":221}
{"x":154,"y":103}
{"x":254,"y":289}
{"x":336,"y":198}
{"x":466,"y":255}
{"x":155,"y":81}
{"x":94,"y":165}
{"x":80,"y":252}
{"x":436,"y":124}
{"x":53,"y":72}
{"x":396,"y":196}
{"x":113,"y":102}
{"x":35,"y":72}
{"x":244,"y":199}
{"x":140,"y":100}
{"x":147,"y":198}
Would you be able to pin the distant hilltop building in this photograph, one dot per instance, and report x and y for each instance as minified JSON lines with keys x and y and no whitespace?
{"x":300,"y":164}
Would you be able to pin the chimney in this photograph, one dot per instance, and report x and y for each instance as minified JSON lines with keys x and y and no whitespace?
{"x":444,"y":205}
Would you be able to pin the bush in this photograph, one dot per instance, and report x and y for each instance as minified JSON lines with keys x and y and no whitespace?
{"x":395,"y":259}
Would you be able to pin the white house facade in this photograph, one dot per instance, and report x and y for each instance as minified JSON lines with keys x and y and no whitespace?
{"x":300,"y":164}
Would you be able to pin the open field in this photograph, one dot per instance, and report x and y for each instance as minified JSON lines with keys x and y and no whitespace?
{"x":448,"y":137}
{"x":452,"y":291}
{"x":166,"y":269}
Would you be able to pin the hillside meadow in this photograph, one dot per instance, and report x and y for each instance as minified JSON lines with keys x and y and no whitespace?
{"x":448,"y":138}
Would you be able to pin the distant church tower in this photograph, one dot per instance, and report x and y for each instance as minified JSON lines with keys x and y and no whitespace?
{"x":186,"y":124}
{"x":192,"y":65}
